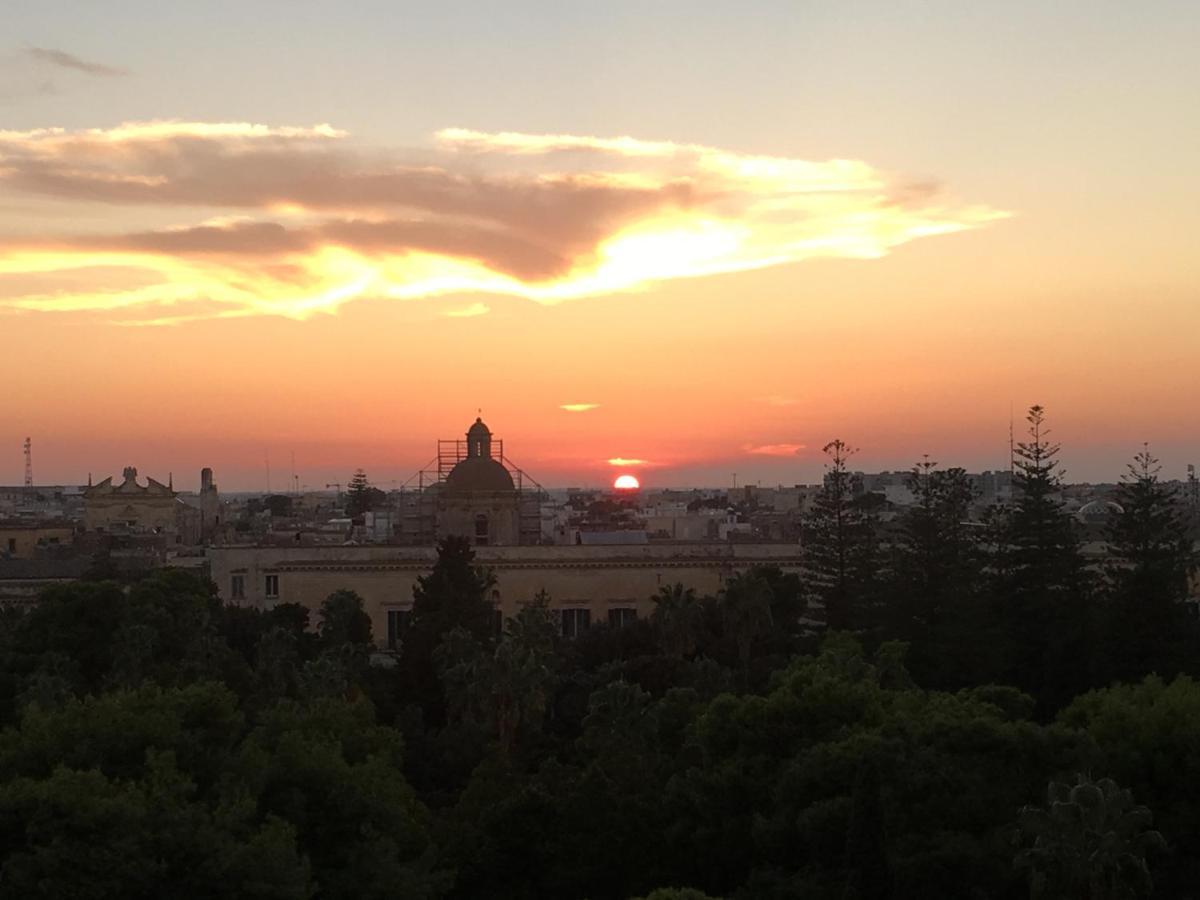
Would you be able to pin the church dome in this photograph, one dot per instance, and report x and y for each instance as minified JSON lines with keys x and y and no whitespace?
{"x":479,"y":431}
{"x":1099,"y":510}
{"x":479,"y":473}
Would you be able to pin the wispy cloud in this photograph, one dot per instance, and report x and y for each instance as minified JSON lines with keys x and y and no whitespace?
{"x":579,"y":407}
{"x":774,"y":449}
{"x":623,"y":461}
{"x":469,"y":312}
{"x":65,"y":60}
{"x":779,"y":400}
{"x":302,"y":221}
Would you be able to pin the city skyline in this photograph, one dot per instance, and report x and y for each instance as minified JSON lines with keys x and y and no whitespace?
{"x":340,"y":232}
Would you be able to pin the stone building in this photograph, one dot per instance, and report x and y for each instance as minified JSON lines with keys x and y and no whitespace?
{"x":479,"y":499}
{"x":209,"y":505}
{"x":472,"y":490}
{"x":129,"y":507}
{"x":22,"y":539}
{"x":587,"y":584}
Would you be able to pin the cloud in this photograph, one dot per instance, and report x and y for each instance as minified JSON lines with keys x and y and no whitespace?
{"x":622,"y":461}
{"x":579,"y":407}
{"x":300,"y":220}
{"x":775,"y":449}
{"x":779,"y":400}
{"x":475,"y":309}
{"x":65,"y":60}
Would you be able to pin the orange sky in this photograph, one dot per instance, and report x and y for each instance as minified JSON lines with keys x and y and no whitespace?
{"x":208,"y":276}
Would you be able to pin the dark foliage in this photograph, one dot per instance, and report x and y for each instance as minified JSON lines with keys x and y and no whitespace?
{"x":155,"y":743}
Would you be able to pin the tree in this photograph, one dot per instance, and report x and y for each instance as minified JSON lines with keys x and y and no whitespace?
{"x":361,"y":497}
{"x":1039,"y":586}
{"x":507,"y":689}
{"x":866,"y":842}
{"x":675,"y":619}
{"x":1150,"y":563}
{"x":746,"y":612}
{"x":1090,"y":842}
{"x":840,"y":545}
{"x":344,"y":621}
{"x":454,"y":595}
{"x":523,"y":673}
{"x":325,"y":767}
{"x":934,"y":602}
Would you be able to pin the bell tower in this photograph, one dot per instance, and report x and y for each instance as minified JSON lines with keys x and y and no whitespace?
{"x":479,"y":441}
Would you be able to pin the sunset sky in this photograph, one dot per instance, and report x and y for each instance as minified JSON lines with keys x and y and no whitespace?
{"x":684,"y":240}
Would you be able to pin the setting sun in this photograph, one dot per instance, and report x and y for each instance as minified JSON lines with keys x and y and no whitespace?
{"x":626,"y":483}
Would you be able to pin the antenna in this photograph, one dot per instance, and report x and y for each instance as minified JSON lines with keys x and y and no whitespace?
{"x":268,"y":458}
{"x":1012,"y":456}
{"x":28,"y":463}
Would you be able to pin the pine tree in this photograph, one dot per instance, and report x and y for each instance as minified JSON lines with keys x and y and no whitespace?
{"x":934,"y":597}
{"x":358,"y":494}
{"x":1039,"y":582}
{"x":1150,"y":564}
{"x":840,"y":546}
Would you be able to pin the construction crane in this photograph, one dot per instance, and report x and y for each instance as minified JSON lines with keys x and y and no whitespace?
{"x":28,"y":463}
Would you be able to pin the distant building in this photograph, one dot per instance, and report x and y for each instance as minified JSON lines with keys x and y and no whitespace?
{"x":28,"y":539}
{"x":588,"y":584}
{"x":152,"y":508}
{"x":22,"y":581}
{"x":475,"y":492}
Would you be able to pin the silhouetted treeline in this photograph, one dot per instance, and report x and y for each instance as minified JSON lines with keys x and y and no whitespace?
{"x":993,"y":716}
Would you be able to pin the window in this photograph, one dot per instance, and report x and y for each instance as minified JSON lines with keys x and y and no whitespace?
{"x":398,"y":622}
{"x":621,"y":616}
{"x":12,"y":545}
{"x":575,"y":622}
{"x":481,"y":530}
{"x":272,"y":587}
{"x":237,"y":587}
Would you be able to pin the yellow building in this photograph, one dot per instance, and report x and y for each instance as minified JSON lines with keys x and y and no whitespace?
{"x":25,"y":540}
{"x":586,"y":584}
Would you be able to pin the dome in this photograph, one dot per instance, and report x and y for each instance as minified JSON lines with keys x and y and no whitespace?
{"x":479,"y":430}
{"x":479,"y":473}
{"x":1099,"y":510}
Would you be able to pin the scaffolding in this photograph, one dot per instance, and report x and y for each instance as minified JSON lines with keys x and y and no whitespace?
{"x":420,"y":492}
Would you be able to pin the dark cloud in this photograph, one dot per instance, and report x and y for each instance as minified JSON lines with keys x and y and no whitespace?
{"x":572,"y":212}
{"x":497,"y":250}
{"x":65,"y":60}
{"x":306,"y":221}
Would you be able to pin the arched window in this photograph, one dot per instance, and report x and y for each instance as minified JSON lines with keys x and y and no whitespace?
{"x":481,"y":530}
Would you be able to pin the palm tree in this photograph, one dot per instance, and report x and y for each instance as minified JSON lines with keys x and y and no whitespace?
{"x":675,"y":617}
{"x":1089,"y":843}
{"x":521,"y":674}
{"x":746,"y":612}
